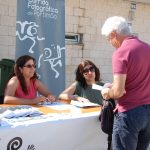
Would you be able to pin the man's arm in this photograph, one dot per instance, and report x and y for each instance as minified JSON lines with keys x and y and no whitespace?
{"x":117,"y":89}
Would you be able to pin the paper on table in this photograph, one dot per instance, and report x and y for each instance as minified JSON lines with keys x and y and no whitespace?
{"x":60,"y":106}
{"x":13,"y":108}
{"x":47,"y":103}
{"x":83,"y":104}
{"x":20,"y":113}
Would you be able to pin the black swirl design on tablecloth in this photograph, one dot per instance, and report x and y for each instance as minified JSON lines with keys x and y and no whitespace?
{"x":14,"y":144}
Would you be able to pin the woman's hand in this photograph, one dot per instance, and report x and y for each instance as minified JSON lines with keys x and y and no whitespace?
{"x":82,"y":99}
{"x":39,"y":99}
{"x":50,"y":98}
{"x":42,"y":99}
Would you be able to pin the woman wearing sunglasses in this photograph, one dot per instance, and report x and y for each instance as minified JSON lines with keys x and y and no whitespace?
{"x":81,"y":90}
{"x":23,"y":85}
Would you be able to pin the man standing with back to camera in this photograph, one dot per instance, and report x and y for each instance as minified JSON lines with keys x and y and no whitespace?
{"x":130,"y":87}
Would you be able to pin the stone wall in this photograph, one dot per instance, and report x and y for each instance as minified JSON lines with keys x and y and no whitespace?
{"x":7,"y":28}
{"x":85,"y":17}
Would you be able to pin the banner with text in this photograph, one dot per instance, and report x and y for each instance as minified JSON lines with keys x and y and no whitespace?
{"x":40,"y":32}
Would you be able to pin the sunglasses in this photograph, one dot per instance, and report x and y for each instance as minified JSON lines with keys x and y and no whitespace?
{"x":91,"y":69}
{"x":30,"y":66}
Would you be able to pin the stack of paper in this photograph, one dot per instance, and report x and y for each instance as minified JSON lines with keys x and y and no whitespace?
{"x":20,"y":113}
{"x":83,"y":104}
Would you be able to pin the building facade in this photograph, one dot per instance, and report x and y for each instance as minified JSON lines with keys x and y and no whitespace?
{"x":83,"y":22}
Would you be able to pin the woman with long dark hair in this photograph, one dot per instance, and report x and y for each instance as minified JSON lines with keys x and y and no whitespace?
{"x":86,"y":74}
{"x":23,"y":85}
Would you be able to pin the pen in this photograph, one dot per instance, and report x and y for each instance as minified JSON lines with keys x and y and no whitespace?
{"x":47,"y":100}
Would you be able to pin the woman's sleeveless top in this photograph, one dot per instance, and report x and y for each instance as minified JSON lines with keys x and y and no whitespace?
{"x":89,"y":93}
{"x":32,"y":91}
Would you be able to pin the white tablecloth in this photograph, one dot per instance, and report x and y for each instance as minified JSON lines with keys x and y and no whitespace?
{"x":73,"y":133}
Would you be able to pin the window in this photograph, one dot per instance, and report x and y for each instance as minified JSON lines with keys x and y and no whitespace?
{"x":71,"y":38}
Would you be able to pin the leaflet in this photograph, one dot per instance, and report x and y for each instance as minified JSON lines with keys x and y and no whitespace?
{"x":97,"y":87}
{"x":83,"y":104}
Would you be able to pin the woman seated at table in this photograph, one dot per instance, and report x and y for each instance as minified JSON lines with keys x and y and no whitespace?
{"x":23,"y":86}
{"x":81,"y":90}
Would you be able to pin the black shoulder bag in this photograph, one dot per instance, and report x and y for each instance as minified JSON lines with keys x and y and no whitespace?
{"x":106,"y":118}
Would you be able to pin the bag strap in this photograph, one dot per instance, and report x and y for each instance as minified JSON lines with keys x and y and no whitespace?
{"x":109,"y":139}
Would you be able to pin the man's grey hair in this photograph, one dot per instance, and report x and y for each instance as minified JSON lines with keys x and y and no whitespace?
{"x":117,"y":24}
